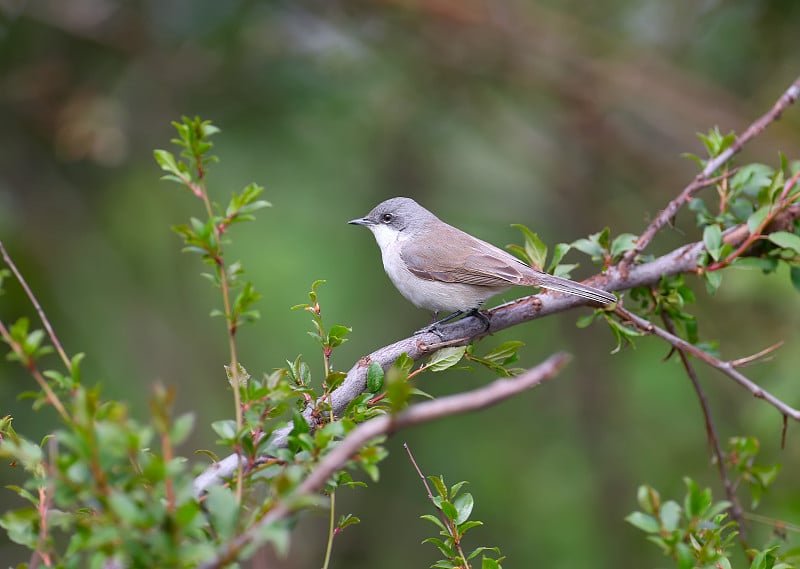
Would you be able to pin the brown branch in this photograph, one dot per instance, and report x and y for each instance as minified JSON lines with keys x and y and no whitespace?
{"x":475,"y":400}
{"x":701,"y":180}
{"x":726,"y":368}
{"x":37,"y":306}
{"x":680,"y":261}
{"x":713,"y":439}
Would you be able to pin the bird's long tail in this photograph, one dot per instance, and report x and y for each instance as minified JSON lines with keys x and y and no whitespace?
{"x":560,"y":284}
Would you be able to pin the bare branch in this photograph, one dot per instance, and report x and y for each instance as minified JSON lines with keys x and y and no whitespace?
{"x":701,"y":180}
{"x":749,"y":360}
{"x":725,"y":367}
{"x":713,"y":439}
{"x":475,"y":400}
{"x":37,"y":307}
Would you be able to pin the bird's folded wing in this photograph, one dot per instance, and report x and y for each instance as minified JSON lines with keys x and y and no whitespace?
{"x":482,"y":266}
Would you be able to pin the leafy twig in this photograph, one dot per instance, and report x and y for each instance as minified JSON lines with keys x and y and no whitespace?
{"x":701,"y":180}
{"x":497,"y":391}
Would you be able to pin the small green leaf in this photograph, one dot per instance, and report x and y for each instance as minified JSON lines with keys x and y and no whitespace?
{"x":785,"y":240}
{"x":464,"y":504}
{"x":623,"y":243}
{"x":347,"y":520}
{"x":505,"y":352}
{"x":336,"y":335}
{"x":374,"y":377}
{"x":435,"y":520}
{"x":446,"y":358}
{"x":644,"y":522}
{"x":559,"y":251}
{"x":670,"y":515}
{"x":535,"y":249}
{"x":223,"y":511}
{"x":181,"y":428}
{"x":794,"y":275}
{"x":225,"y":429}
{"x":712,"y":239}
{"x":438,"y":483}
{"x":589,"y":246}
{"x":713,"y":280}
{"x":758,"y":217}
{"x":449,"y":510}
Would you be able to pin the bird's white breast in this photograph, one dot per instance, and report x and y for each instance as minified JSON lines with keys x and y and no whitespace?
{"x":432,"y":295}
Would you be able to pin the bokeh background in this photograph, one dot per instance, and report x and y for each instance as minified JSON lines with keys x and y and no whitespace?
{"x":564,"y":116}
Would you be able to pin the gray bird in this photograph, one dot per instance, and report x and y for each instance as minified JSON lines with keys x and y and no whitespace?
{"x":443,"y":269}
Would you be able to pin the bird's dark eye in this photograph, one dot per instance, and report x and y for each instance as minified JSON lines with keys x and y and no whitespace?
{"x":387,"y":217}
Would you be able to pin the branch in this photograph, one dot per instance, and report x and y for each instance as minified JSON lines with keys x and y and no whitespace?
{"x":735,"y":509}
{"x":475,"y":400}
{"x":701,"y":180}
{"x":681,"y":260}
{"x":727,"y":368}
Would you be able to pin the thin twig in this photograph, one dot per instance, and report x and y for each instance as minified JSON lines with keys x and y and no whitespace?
{"x":748,"y":360}
{"x":38,"y":307}
{"x":725,"y":367}
{"x":713,"y":439}
{"x":477,"y":399}
{"x":700,"y":181}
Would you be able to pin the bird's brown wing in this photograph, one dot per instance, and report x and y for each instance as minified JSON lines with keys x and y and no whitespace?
{"x":445,"y":258}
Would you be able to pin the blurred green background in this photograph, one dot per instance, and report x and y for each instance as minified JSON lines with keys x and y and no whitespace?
{"x":564,"y":116}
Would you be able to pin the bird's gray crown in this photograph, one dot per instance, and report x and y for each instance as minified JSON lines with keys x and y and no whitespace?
{"x":400,"y":214}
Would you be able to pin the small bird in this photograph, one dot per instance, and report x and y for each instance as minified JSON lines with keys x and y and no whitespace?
{"x":441,"y":268}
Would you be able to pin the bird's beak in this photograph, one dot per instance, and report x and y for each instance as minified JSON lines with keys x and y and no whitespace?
{"x":360,"y":221}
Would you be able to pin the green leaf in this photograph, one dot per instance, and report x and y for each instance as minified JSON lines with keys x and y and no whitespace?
{"x":225,"y":429}
{"x":438,"y":483}
{"x":446,"y":358}
{"x":505,"y":352}
{"x":559,"y":251}
{"x":758,"y":217}
{"x":449,"y":510}
{"x":124,"y":507}
{"x":374,"y":377}
{"x":435,"y":520}
{"x":713,"y":280}
{"x":463,"y":527}
{"x":464,"y":504}
{"x":670,"y":515}
{"x":21,"y":526}
{"x":535,"y":249}
{"x":336,"y":335}
{"x":786,"y":240}
{"x":644,"y":522}
{"x":347,"y":520}
{"x":648,"y":499}
{"x":446,"y":549}
{"x":623,"y":243}
{"x":712,"y":239}
{"x":696,"y":501}
{"x":167,"y":161}
{"x":794,"y":275}
{"x":181,"y":428}
{"x":223,"y":511}
{"x":589,"y":246}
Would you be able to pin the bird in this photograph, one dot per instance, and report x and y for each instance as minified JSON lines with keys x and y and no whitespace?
{"x":440,"y":268}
